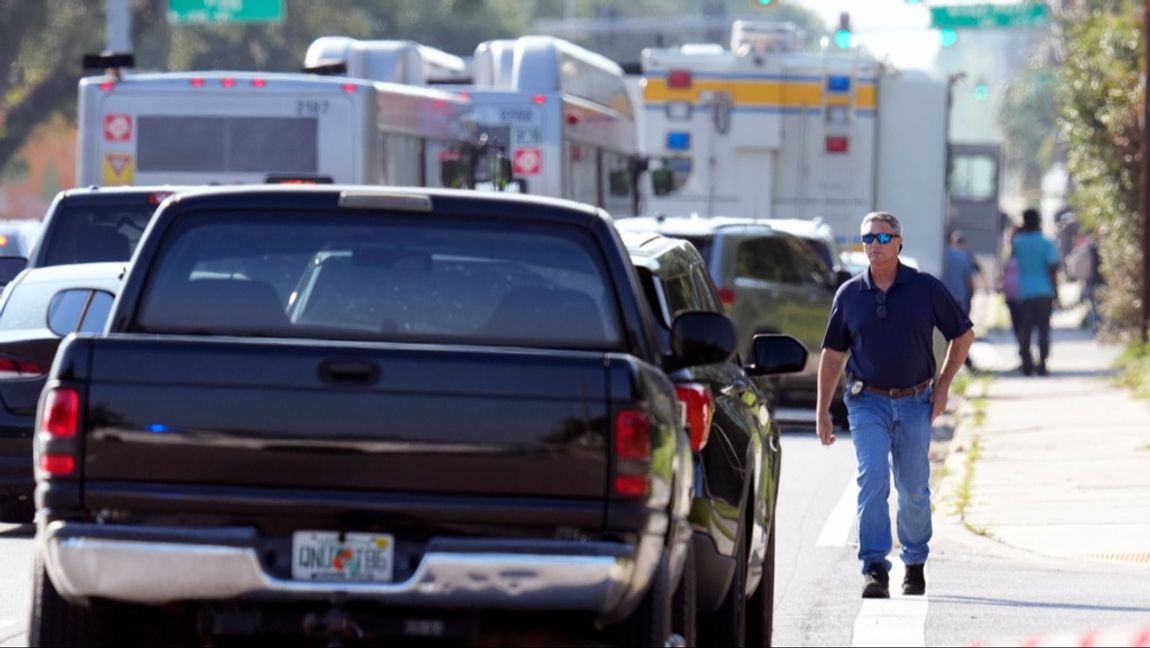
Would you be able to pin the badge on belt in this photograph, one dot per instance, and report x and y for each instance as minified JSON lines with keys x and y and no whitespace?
{"x":856,"y":387}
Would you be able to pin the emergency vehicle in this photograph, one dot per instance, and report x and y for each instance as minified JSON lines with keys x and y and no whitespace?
{"x":761,"y":130}
{"x":235,"y":127}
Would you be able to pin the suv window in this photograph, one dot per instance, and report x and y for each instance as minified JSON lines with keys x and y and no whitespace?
{"x":764,"y":259}
{"x":94,"y":233}
{"x":804,"y":265}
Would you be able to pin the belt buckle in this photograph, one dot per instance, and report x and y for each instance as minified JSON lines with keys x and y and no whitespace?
{"x":893,"y":393}
{"x":856,"y":387}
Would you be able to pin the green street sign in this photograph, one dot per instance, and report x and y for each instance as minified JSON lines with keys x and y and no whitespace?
{"x":223,"y":11}
{"x":988,"y":16}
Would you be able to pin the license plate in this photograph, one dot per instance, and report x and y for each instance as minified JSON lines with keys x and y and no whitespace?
{"x":323,"y":556}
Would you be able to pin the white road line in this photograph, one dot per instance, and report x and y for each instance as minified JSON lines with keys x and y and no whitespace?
{"x":897,"y":621}
{"x":840,"y":523}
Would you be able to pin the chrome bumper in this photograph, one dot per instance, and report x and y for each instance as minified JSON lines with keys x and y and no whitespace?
{"x":115,"y":562}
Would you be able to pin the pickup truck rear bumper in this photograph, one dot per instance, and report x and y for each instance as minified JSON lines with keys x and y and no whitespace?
{"x":154,"y":565}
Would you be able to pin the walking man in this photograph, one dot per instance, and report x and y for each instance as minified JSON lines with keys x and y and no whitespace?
{"x":885,"y":318}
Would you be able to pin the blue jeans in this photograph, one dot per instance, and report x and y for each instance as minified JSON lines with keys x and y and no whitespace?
{"x":892,"y":433}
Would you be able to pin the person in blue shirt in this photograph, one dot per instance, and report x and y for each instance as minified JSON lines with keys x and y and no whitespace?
{"x":1038,"y":264}
{"x":884,"y":318}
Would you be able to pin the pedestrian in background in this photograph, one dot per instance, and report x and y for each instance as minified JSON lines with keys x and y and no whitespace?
{"x":1038,"y":263}
{"x":959,"y":269}
{"x":885,"y":319}
{"x":1009,"y":284}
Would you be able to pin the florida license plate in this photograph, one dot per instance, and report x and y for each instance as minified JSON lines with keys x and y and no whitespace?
{"x":324,"y":556}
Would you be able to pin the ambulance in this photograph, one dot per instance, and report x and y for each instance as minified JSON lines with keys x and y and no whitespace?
{"x":765,"y":131}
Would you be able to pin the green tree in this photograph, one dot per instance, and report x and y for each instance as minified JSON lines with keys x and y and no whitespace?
{"x":1028,"y":118}
{"x":1099,"y":99}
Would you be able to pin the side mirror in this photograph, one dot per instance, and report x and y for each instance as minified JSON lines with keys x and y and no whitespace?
{"x":702,"y":338}
{"x":842,"y":276}
{"x":10,"y":266}
{"x":777,"y":354}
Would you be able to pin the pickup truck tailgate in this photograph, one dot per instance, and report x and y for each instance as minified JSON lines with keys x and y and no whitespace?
{"x":348,"y":416}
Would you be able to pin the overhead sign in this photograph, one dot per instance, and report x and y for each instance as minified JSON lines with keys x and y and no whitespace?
{"x":988,"y":16}
{"x":223,"y":11}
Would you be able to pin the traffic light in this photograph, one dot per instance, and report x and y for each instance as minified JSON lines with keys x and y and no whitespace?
{"x":843,"y":36}
{"x":763,"y":4}
{"x":981,"y":91}
{"x":947,"y":36}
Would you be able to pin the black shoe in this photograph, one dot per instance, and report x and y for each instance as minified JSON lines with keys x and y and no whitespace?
{"x":877,"y":581}
{"x":1042,"y":369}
{"x":914,"y":584}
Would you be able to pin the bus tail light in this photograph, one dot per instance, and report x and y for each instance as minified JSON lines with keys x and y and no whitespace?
{"x":349,"y":88}
{"x":539,"y":99}
{"x":107,"y":85}
{"x":632,"y":452}
{"x":259,"y":83}
{"x":698,"y":412}
{"x":228,"y":82}
{"x":197,"y":82}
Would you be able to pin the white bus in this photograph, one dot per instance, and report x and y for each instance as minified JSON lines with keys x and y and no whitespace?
{"x":545,"y":117}
{"x":238,"y":127}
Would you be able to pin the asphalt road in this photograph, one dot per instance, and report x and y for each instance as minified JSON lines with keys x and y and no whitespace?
{"x":979,"y":591}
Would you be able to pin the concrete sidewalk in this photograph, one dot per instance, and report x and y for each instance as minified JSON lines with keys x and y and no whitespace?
{"x":1063,"y":463}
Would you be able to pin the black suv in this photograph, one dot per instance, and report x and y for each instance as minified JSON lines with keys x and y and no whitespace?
{"x":736,"y":449}
{"x":768,"y":280}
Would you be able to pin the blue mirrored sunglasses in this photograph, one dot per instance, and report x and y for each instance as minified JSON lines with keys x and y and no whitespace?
{"x":882,"y":237}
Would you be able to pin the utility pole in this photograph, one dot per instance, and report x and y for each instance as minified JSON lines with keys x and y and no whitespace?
{"x":1144,"y":175}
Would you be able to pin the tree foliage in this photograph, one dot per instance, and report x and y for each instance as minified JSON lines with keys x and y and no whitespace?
{"x":1099,"y":99}
{"x":1028,"y":118}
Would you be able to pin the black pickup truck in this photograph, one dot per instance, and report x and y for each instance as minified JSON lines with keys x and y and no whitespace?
{"x":351,"y":412}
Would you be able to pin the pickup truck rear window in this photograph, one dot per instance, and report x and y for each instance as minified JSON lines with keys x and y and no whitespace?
{"x":382,"y":278}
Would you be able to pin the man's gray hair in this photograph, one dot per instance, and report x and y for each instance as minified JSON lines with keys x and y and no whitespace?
{"x":884,"y":217}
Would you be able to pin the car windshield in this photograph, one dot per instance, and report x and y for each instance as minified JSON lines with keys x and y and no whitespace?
{"x":821,"y":250}
{"x":328,"y":276}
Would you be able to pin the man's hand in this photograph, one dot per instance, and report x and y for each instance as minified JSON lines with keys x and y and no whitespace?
{"x":825,"y":428}
{"x":938,"y":399}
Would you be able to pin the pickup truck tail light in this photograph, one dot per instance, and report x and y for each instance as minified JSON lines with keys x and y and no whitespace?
{"x":632,"y":452}
{"x":698,"y":412}
{"x":59,"y":421}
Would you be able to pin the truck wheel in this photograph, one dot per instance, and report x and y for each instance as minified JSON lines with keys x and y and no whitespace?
{"x":761,"y":607}
{"x":650,"y":623}
{"x":54,"y":621}
{"x":684,"y":607}
{"x":727,"y":625}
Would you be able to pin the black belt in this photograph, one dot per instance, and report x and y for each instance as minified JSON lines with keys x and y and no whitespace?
{"x":891,"y":393}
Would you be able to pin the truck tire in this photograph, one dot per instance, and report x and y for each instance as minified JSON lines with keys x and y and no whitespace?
{"x":54,"y":621}
{"x":650,"y":623}
{"x":761,"y":606}
{"x":684,"y":605}
{"x":727,"y":625}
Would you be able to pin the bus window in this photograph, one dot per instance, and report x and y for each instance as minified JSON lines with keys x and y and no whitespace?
{"x":617,"y":181}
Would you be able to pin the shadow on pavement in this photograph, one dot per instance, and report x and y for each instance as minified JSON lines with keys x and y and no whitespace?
{"x":966,"y":600}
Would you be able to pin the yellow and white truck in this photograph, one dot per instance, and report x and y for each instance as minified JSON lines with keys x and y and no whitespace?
{"x":762,"y":130}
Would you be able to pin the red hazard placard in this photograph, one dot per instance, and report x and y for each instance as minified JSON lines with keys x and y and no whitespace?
{"x":527,"y":161}
{"x":117,"y":127}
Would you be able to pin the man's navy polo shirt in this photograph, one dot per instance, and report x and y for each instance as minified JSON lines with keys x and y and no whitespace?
{"x":897,"y":351}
